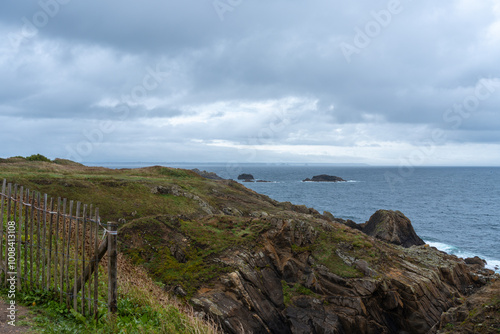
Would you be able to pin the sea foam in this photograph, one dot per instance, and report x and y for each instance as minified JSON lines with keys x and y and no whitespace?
{"x":493,"y":264}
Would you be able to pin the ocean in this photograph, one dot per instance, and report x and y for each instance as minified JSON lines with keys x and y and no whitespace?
{"x":455,"y":209}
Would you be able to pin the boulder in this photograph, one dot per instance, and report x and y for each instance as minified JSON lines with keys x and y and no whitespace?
{"x":393,"y":227}
{"x":324,"y":178}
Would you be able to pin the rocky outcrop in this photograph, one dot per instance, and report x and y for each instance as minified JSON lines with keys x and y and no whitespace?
{"x":393,"y":227}
{"x":246,"y":177}
{"x":324,"y":178}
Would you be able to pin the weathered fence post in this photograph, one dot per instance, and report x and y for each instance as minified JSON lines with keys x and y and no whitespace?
{"x":112,"y":267}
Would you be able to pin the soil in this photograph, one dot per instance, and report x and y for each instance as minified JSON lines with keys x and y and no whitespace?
{"x":23,"y":315}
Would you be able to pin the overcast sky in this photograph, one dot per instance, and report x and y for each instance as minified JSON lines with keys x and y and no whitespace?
{"x":377,"y":82}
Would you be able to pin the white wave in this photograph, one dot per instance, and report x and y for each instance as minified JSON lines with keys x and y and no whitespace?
{"x":493,"y":264}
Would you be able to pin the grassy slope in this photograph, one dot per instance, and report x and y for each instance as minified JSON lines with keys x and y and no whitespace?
{"x":127,"y":193}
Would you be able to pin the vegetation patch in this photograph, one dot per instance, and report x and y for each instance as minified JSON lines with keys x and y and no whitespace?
{"x":38,"y":157}
{"x":354,"y":245}
{"x":290,"y":291}
{"x":181,"y":252}
{"x":142,"y":308}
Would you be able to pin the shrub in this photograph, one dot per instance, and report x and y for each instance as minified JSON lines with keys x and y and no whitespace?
{"x":38,"y":157}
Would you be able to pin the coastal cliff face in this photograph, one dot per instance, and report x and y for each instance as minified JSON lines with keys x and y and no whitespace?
{"x":303,"y":273}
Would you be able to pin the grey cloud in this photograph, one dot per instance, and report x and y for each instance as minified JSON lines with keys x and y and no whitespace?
{"x":92,"y":56}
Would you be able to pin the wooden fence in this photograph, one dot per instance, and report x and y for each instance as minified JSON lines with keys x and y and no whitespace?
{"x":56,"y":245}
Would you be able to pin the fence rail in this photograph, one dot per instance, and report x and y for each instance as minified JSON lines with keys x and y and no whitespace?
{"x":56,"y":245}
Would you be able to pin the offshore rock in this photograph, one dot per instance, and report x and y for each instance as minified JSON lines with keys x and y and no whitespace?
{"x":393,"y":227}
{"x":324,"y":178}
{"x":246,"y":177}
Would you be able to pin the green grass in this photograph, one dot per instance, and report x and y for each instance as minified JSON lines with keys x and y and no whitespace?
{"x":118,"y":194}
{"x":135,"y":315}
{"x":127,"y":193}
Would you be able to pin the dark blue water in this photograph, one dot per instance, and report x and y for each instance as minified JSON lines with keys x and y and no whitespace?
{"x":456,"y":209}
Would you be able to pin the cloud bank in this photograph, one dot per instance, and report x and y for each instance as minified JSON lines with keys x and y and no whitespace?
{"x":252,"y":81}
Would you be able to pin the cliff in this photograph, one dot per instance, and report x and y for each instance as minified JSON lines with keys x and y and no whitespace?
{"x":297,"y":273}
{"x":260,"y":266}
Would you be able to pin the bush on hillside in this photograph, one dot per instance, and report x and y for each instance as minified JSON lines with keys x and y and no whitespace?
{"x":38,"y":157}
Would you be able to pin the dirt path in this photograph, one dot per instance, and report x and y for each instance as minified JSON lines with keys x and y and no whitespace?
{"x":22,"y":314}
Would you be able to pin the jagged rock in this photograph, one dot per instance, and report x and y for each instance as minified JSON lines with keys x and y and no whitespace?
{"x":324,"y":178}
{"x":393,"y":227}
{"x":232,"y":212}
{"x":246,"y":177}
